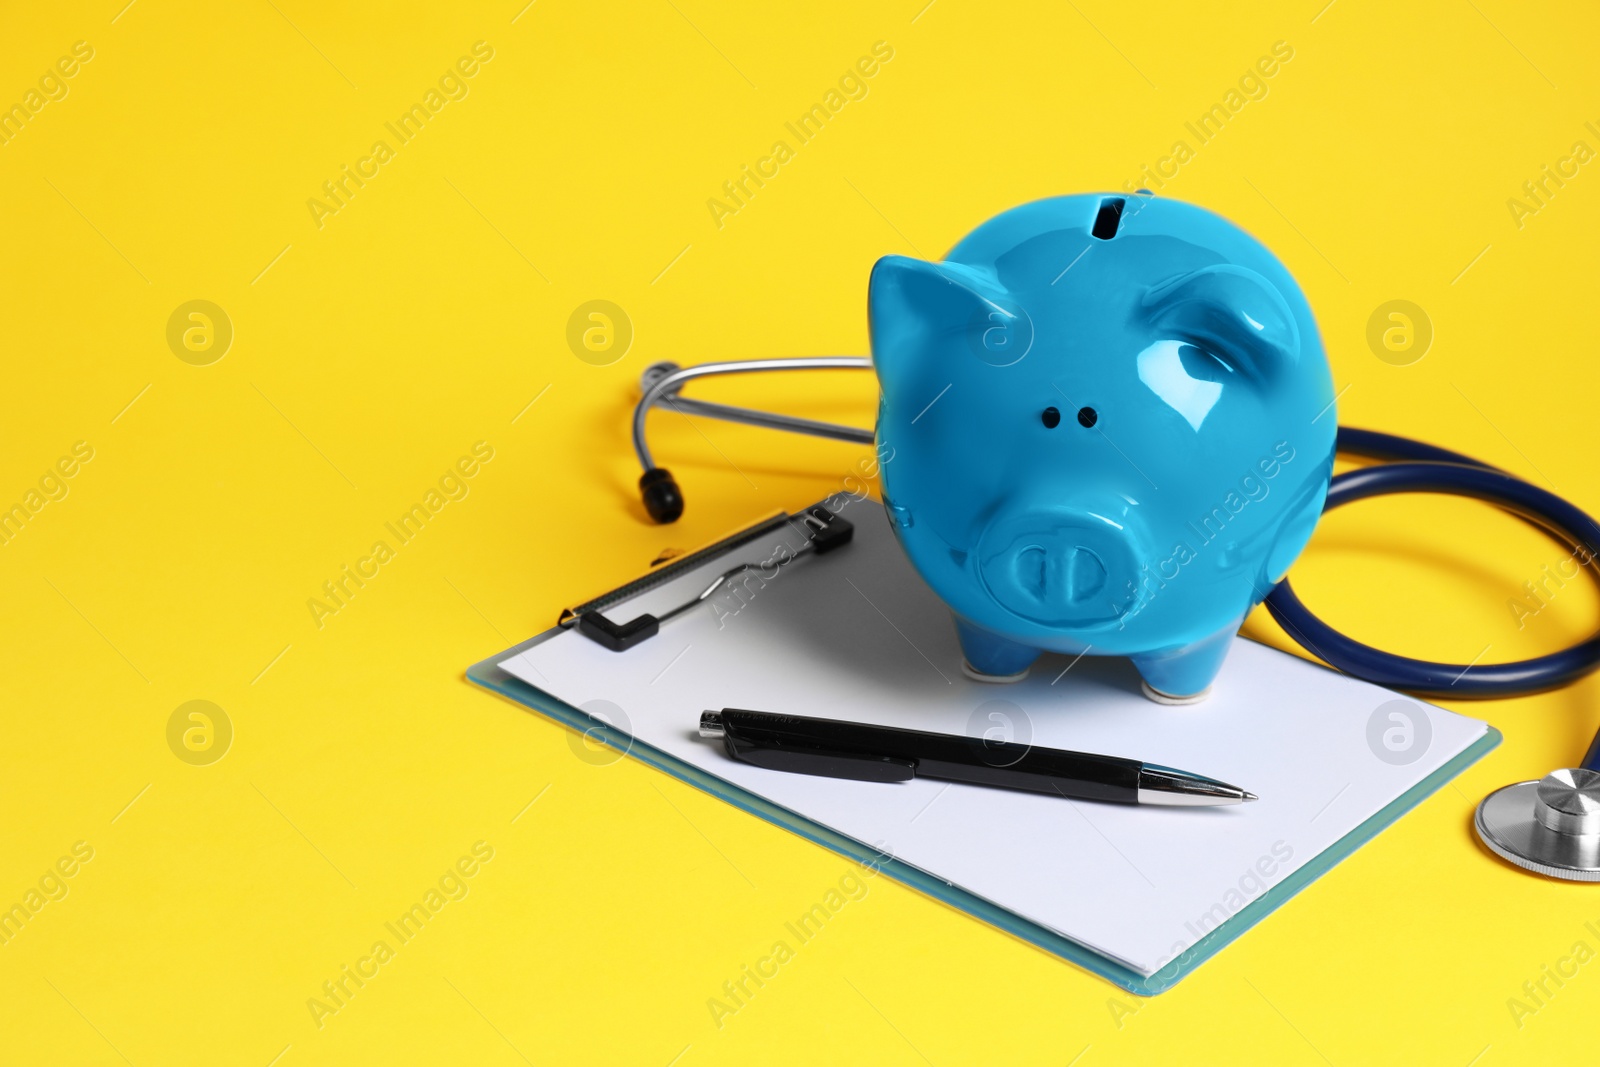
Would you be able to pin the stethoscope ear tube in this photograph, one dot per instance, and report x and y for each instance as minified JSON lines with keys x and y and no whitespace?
{"x":662,"y":498}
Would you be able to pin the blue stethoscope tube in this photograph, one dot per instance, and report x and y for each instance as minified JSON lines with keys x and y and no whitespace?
{"x":1413,"y":467}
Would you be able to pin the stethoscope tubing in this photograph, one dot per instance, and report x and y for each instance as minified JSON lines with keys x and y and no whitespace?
{"x":1406,"y":466}
{"x":667,"y":385}
{"x":1427,"y":469}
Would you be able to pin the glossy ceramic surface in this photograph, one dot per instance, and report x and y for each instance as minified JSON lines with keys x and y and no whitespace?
{"x":1108,"y":427}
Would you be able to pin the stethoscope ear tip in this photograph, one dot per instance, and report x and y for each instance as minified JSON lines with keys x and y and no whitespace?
{"x":661,"y":495}
{"x":1550,"y":827}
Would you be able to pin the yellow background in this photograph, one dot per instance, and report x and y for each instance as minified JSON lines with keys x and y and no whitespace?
{"x":426,"y":315}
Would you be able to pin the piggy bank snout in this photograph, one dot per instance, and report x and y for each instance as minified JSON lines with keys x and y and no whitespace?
{"x":1061,"y":567}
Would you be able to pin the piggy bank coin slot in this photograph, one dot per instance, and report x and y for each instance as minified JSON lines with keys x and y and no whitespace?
{"x":1108,"y":218}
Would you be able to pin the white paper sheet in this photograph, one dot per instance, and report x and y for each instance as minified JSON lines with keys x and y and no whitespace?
{"x":857,"y":635}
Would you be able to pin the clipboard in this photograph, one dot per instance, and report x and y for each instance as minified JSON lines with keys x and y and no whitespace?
{"x":665,"y":584}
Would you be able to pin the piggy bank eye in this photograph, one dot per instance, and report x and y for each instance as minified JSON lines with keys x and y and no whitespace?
{"x":1202,"y":365}
{"x":1052,"y":418}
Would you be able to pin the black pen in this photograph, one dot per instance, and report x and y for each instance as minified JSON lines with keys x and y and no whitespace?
{"x":867,"y":753}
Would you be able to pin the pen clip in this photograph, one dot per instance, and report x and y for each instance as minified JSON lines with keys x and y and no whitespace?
{"x":824,"y":762}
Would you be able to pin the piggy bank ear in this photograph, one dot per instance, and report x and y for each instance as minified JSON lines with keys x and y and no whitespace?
{"x":1232,"y":313}
{"x":921,"y":312}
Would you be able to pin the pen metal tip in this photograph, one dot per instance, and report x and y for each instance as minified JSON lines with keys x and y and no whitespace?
{"x":711,"y":724}
{"x":1167,"y":785}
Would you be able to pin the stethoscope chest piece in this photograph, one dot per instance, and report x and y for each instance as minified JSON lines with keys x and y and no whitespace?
{"x":1550,"y":827}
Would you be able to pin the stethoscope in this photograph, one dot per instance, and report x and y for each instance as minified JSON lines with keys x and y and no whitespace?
{"x":1551,"y":826}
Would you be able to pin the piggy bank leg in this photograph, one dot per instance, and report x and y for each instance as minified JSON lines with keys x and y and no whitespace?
{"x":988,"y":657}
{"x":1184,"y":675}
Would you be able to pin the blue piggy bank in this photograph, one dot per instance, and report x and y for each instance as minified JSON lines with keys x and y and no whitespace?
{"x":1111,"y":429}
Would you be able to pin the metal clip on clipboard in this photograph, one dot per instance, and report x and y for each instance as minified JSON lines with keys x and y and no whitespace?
{"x":824,"y":532}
